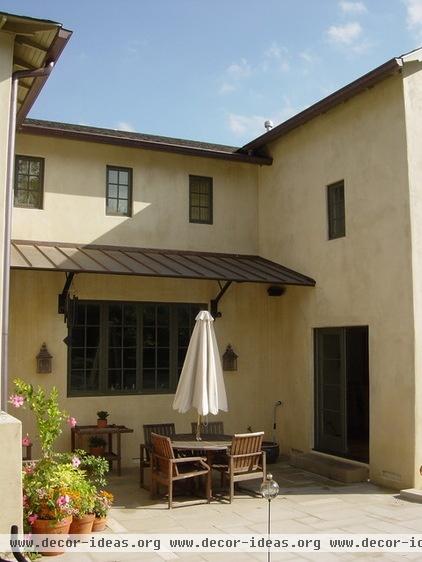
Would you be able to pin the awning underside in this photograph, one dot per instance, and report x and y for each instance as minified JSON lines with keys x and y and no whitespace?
{"x":151,"y":263}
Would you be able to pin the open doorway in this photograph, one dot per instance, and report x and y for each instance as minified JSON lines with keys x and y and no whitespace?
{"x":342,"y":392}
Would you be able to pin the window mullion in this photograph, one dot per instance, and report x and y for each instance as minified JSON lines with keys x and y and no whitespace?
{"x":139,"y":348}
{"x":103,"y":348}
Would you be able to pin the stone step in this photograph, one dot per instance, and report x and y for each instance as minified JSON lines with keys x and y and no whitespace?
{"x":335,"y":469}
{"x":411,"y":494}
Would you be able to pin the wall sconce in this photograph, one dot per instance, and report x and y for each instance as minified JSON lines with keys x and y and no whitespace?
{"x":229,"y":359}
{"x":44,"y":360}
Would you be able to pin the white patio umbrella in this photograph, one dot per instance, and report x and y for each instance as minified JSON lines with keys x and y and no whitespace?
{"x":201,"y":384}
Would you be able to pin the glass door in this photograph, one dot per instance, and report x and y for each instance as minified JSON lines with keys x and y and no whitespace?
{"x":330,"y":390}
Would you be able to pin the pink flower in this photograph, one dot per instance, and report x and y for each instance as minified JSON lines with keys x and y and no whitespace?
{"x":26,"y":442}
{"x":62,"y":501}
{"x":76,"y":462}
{"x":32,"y":518}
{"x":72,"y":421}
{"x":16,"y":400}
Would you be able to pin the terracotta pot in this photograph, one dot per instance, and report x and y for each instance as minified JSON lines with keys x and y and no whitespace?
{"x":99,"y":524}
{"x":48,"y":527}
{"x":101,"y":423}
{"x":97,"y":451}
{"x":82,"y":525}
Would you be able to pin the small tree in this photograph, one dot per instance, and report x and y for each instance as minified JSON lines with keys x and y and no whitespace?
{"x":48,"y":415}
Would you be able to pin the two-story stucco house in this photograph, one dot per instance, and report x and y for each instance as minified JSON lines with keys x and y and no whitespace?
{"x":307,"y":240}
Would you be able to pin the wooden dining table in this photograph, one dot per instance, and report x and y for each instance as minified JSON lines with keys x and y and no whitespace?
{"x":208,"y":446}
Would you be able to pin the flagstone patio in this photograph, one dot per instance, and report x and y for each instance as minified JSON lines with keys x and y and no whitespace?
{"x":307,"y":504}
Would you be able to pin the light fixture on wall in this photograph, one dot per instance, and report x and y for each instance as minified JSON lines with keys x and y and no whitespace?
{"x":229,"y":359}
{"x":44,"y":360}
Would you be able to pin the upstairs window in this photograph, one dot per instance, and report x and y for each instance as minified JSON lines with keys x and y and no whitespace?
{"x":200,"y":199}
{"x":119,"y":191}
{"x":29,"y":182}
{"x":336,"y":210}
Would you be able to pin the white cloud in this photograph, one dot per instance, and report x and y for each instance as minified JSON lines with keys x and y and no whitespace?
{"x":251,"y":126}
{"x":353,"y":7}
{"x":275,"y":51}
{"x":414,"y":15}
{"x":307,"y":57}
{"x":241,"y":125}
{"x":125,"y":126}
{"x":345,"y":34}
{"x":226,"y":88}
{"x":237,"y":71}
{"x":276,"y":58}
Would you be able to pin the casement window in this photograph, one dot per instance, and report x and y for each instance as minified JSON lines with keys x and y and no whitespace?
{"x":336,"y":210}
{"x":29,"y":182}
{"x":119,"y":191}
{"x":128,"y":347}
{"x":200,"y":200}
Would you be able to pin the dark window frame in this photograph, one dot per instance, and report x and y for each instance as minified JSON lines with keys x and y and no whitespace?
{"x":336,"y":210}
{"x":39,"y":159}
{"x":103,"y":347}
{"x":210,"y":202}
{"x":110,"y":168}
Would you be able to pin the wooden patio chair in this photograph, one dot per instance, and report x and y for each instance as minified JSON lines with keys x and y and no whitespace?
{"x":166,"y":469}
{"x":167,"y":429}
{"x":245,"y":460}
{"x":209,"y":428}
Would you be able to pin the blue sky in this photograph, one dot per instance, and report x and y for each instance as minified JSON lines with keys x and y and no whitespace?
{"x":212,"y":70}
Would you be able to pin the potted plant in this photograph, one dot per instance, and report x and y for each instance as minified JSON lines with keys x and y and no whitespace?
{"x":82,"y":497}
{"x":46,"y":497}
{"x":97,"y":446}
{"x":47,"y":484}
{"x":102,"y":504}
{"x":102,"y":416}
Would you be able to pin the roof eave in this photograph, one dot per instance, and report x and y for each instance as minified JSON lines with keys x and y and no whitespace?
{"x":33,"y":129}
{"x":54,"y":52}
{"x":340,"y":96}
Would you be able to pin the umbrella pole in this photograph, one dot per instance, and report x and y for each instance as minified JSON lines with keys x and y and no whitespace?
{"x":198,"y":428}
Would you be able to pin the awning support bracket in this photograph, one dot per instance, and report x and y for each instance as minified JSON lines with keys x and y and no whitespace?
{"x":64,"y":294}
{"x":214,"y":302}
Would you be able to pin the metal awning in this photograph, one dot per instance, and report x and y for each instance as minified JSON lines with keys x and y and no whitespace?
{"x":117,"y":260}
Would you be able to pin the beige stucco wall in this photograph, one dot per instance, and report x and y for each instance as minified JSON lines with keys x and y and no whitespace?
{"x":362,"y":279}
{"x":244,"y":324}
{"x":10,"y":473}
{"x":412,"y":80}
{"x":74,"y":199}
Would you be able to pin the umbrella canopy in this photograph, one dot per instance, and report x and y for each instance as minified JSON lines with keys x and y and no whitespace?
{"x":201,"y":384}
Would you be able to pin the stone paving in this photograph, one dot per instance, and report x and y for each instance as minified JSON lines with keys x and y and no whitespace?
{"x":307,"y":504}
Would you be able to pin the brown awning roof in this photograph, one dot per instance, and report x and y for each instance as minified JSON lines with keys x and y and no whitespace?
{"x":118,"y":260}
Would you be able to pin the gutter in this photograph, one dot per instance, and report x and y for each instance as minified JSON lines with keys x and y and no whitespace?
{"x":4,"y":344}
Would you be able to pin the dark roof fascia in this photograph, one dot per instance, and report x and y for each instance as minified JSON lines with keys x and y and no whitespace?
{"x":89,"y":136}
{"x":343,"y":94}
{"x":53,"y":54}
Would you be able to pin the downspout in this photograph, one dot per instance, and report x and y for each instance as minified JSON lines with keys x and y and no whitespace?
{"x":7,"y":232}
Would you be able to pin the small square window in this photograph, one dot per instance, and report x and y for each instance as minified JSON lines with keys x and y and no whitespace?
{"x":29,"y":182}
{"x":200,"y":200}
{"x":336,"y":210}
{"x":119,"y":191}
